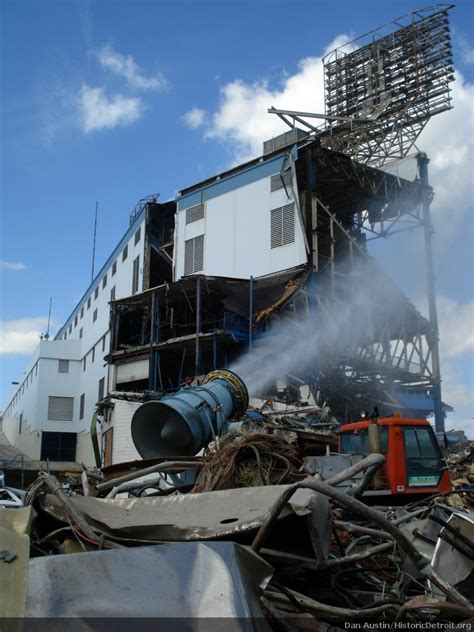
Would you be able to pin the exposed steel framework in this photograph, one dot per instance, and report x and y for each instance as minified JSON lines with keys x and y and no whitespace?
{"x":383,"y":87}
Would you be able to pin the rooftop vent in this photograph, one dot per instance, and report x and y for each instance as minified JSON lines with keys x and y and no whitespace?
{"x":288,"y":138}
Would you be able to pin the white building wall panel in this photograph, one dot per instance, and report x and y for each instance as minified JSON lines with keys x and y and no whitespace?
{"x":237,"y":233}
{"x":132,"y":371}
{"x":120,"y":420}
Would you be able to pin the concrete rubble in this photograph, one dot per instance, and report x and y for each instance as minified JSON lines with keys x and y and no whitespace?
{"x":250,"y":531}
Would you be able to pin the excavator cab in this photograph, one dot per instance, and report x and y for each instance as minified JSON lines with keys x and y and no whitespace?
{"x":414,"y":462}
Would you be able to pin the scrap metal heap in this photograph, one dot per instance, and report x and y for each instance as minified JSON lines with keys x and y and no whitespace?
{"x":247,"y":529}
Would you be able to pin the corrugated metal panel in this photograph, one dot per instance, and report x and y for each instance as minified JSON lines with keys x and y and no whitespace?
{"x":198,"y":253}
{"x":283,"y":225}
{"x":280,"y":180}
{"x":194,"y":255}
{"x":287,"y":138}
{"x":288,"y":220}
{"x":188,"y":256}
{"x":276,"y":228}
{"x":60,"y":408}
{"x":194,"y":213}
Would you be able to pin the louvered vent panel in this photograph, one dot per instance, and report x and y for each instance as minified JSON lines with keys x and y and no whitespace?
{"x":193,"y":213}
{"x":282,"y":225}
{"x":198,"y":253}
{"x":188,"y":256}
{"x":194,"y":255}
{"x":288,"y":213}
{"x":276,"y":182}
{"x":276,"y":228}
{"x":63,"y":366}
{"x":60,"y":408}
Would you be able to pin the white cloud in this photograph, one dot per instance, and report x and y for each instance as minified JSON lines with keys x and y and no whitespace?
{"x":195,"y":118}
{"x":11,"y":265}
{"x":22,"y":335}
{"x":467,"y":51}
{"x":456,"y":326}
{"x":451,"y":156}
{"x":126,"y":67}
{"x":98,"y":111}
{"x":242,"y":117}
{"x":241,"y":121}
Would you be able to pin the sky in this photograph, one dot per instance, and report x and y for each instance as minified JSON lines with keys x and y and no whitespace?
{"x":111,"y":101}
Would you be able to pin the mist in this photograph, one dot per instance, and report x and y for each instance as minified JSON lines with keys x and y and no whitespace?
{"x":337,"y":323}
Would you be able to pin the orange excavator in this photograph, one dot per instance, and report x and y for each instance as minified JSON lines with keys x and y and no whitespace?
{"x":413,"y":464}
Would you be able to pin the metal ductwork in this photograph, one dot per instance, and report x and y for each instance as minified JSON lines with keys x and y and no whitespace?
{"x":185,"y":422}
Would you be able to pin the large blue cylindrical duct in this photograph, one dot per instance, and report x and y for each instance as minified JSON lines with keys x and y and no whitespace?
{"x":183,"y":423}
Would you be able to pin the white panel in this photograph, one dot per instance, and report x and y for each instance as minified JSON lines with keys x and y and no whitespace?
{"x":132,"y":371}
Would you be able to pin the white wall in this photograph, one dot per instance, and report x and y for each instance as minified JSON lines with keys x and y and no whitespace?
{"x":120,"y":419}
{"x":237,"y":233}
{"x":41,"y":378}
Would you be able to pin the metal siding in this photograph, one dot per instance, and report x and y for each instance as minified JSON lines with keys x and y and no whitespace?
{"x":235,"y":181}
{"x":188,"y":256}
{"x":276,"y":228}
{"x":198,"y":253}
{"x":288,"y":221}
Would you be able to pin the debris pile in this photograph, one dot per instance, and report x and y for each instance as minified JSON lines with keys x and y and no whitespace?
{"x":461,"y":463}
{"x":267,"y":525}
{"x":256,"y":535}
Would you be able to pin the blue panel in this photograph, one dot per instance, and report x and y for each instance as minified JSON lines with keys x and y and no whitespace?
{"x":230,"y":183}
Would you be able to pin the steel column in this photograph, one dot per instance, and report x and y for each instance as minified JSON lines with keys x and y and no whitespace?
{"x":423,"y":161}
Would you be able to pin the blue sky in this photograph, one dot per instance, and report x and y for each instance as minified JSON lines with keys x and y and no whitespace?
{"x":112,"y":101}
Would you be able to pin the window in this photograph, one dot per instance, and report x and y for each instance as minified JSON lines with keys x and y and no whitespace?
{"x":75,"y":322}
{"x":423,"y":456}
{"x":80,"y":332}
{"x":36,"y":369}
{"x":137,"y":236}
{"x":94,"y":316}
{"x":58,"y":446}
{"x":124,"y":253}
{"x":103,"y":342}
{"x":282,"y":225}
{"x":88,"y":302}
{"x":84,"y":363}
{"x":104,"y":281}
{"x":82,"y":402}
{"x":112,"y":294}
{"x":114,"y":268}
{"x":193,"y":213}
{"x":101,"y":388}
{"x":65,"y":336}
{"x":60,"y":408}
{"x":63,"y":366}
{"x":82,"y":311}
{"x":93,"y":354}
{"x":96,"y":293}
{"x":194,"y":255}
{"x":136,"y":272}
{"x":280,"y":181}
{"x":70,"y":328}
{"x":20,"y":423}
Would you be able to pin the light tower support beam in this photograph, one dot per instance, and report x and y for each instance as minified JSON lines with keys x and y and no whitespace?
{"x":423,"y":161}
